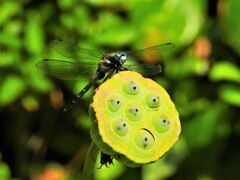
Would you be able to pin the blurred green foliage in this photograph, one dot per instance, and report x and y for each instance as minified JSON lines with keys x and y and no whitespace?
{"x":202,"y":76}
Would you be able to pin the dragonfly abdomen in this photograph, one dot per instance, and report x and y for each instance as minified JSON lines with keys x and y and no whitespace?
{"x":94,"y":79}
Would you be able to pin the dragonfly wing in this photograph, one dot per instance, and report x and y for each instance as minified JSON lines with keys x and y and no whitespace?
{"x":66,"y":70}
{"x":70,"y":51}
{"x":135,"y":56}
{"x":146,"y":70}
{"x":150,"y":52}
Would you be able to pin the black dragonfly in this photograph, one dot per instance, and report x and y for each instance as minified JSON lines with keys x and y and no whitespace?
{"x":84,"y":60}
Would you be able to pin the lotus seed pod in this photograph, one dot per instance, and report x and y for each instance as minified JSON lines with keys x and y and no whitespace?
{"x":133,"y":119}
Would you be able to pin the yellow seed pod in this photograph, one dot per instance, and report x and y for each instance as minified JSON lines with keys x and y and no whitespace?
{"x":134,"y":119}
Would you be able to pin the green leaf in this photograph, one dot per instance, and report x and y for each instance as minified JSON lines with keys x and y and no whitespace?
{"x":9,"y":9}
{"x":229,"y":23}
{"x":40,"y":84}
{"x":186,"y":67}
{"x":202,"y":128}
{"x":115,"y":28}
{"x":64,"y":4}
{"x":104,"y":2}
{"x":9,"y":40}
{"x":230,"y":94}
{"x":167,"y":21}
{"x":5,"y":172}
{"x":12,"y":88}
{"x":225,"y":71}
{"x":151,"y":171}
{"x":38,"y":81}
{"x":68,"y":20}
{"x":34,"y":36}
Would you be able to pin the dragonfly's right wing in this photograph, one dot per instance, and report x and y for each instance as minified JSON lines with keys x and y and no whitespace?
{"x":136,"y":59}
{"x":150,"y":52}
{"x":147,"y":70}
{"x":70,"y":51}
{"x":67,"y":70}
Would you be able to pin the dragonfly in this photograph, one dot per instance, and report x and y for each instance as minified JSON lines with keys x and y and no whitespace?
{"x":83,"y":61}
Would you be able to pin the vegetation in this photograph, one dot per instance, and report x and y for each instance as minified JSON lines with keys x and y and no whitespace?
{"x":201,"y":75}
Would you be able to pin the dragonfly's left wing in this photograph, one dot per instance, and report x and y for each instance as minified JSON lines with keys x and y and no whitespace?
{"x":76,"y":53}
{"x":67,"y":70}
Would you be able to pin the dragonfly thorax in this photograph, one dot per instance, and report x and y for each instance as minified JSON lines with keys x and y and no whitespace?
{"x":114,"y":60}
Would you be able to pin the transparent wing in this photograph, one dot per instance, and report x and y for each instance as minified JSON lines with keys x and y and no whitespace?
{"x":67,"y":70}
{"x":150,"y":52}
{"x":146,"y":70}
{"x":70,"y":51}
{"x":136,"y":56}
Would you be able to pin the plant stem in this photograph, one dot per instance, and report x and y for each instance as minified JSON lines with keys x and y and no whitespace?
{"x":90,"y":162}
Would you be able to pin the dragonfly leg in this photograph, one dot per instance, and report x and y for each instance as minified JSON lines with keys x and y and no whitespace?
{"x":124,"y":69}
{"x":109,"y":75}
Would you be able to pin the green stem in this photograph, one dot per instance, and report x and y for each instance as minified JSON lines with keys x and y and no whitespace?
{"x":90,"y":162}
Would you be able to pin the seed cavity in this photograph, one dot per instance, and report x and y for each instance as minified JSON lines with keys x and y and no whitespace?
{"x":152,"y":100}
{"x":161,"y":123}
{"x":130,"y":87}
{"x":114,"y":103}
{"x":133,"y":112}
{"x":120,"y":127}
{"x":144,"y":139}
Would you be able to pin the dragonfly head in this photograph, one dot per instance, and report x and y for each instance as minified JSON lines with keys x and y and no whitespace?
{"x":122,"y":57}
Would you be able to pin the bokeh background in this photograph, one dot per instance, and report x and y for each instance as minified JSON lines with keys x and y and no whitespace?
{"x":40,"y":141}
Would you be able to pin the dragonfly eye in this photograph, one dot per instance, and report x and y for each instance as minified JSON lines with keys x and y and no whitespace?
{"x":122,"y":57}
